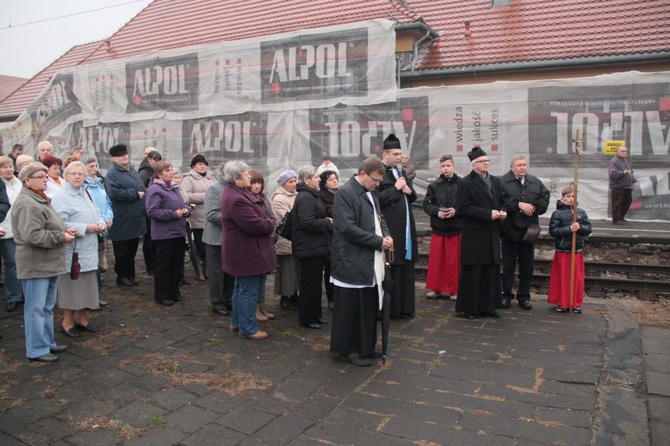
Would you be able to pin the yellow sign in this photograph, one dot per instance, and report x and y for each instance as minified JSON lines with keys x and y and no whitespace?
{"x":612,"y":145}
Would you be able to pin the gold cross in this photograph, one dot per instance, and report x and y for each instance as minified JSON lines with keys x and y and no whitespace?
{"x":578,"y":142}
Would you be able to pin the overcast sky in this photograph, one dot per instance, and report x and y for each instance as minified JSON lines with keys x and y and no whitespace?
{"x":34,"y":33}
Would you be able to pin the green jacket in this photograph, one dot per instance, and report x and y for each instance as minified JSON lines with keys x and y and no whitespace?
{"x":38,"y":233}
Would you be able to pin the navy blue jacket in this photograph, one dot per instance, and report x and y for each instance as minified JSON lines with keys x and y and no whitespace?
{"x":559,"y":227}
{"x":129,"y":211}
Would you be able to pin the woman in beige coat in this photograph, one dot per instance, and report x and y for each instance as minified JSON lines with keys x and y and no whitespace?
{"x":195,"y":183}
{"x":288,"y":278}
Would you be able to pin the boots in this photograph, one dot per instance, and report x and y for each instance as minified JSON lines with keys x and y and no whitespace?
{"x":264,"y":309}
{"x":285,"y":303}
{"x":260,"y":317}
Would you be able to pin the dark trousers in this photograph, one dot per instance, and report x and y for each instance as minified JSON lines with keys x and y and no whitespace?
{"x":326,"y":279}
{"x":147,"y":247}
{"x":124,"y":257}
{"x":354,"y":324}
{"x":311,"y":274}
{"x":621,"y":201}
{"x":221,"y":285}
{"x":169,"y":259}
{"x":525,"y":255}
{"x":403,"y":297}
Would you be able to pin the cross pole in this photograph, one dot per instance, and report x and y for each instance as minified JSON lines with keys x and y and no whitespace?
{"x":578,"y":143}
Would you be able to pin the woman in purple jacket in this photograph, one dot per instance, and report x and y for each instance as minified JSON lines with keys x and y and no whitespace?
{"x":246,"y":247}
{"x":168,"y":212}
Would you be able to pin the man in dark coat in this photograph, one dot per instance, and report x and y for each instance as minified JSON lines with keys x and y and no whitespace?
{"x":481,"y":206}
{"x":526,"y":199}
{"x":360,"y":236}
{"x":126,"y":192}
{"x":621,"y":183}
{"x":396,"y":196}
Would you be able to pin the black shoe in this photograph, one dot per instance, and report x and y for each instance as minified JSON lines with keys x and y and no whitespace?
{"x":577,"y":310}
{"x":322,"y":321}
{"x":124,"y":281}
{"x":313,"y":325}
{"x":221,"y":311}
{"x":285,"y":303}
{"x":58,"y":349}
{"x":89,"y":328}
{"x":491,"y":313}
{"x":165,"y":302}
{"x":561,"y":309}
{"x":185,"y":282}
{"x":229,"y":307}
{"x":469,"y":316}
{"x":135,"y":282}
{"x":12,"y":306}
{"x":179,"y":298}
{"x":506,"y":303}
{"x":49,"y":357}
{"x":408,"y":315}
{"x":71,"y":332}
{"x":356,"y":359}
{"x":150,"y":271}
{"x":526,"y":305}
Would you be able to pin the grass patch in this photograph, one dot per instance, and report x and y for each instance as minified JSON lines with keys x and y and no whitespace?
{"x":233,"y":383}
{"x":98,"y":422}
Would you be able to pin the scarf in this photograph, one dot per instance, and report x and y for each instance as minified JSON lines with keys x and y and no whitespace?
{"x":40,"y":193}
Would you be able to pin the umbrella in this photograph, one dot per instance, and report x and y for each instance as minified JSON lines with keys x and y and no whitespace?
{"x":387,"y":285}
{"x":192,"y":253}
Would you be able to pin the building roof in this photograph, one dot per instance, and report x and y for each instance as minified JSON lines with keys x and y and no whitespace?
{"x":472,"y":33}
{"x":16,"y":102}
{"x":8,"y":84}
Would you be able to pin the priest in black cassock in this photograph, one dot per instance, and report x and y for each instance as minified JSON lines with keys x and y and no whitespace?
{"x":396,"y":196}
{"x":480,"y":203}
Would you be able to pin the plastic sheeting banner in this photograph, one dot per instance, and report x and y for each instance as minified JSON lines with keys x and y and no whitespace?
{"x":306,"y":102}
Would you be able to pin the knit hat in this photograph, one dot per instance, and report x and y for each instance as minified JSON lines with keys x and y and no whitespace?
{"x":285,"y":176}
{"x":391,"y":142}
{"x":475,"y":153}
{"x":118,"y":150}
{"x":199,"y":159}
{"x":31,"y":169}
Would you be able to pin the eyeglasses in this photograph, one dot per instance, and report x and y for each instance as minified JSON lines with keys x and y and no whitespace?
{"x":482,"y":161}
{"x":37,"y":177}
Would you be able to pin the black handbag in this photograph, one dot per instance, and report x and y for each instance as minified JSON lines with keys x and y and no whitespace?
{"x":75,"y":268}
{"x":285,"y":227}
{"x":532,"y":234}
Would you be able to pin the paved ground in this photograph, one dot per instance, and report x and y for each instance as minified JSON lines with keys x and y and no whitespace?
{"x":167,"y":376}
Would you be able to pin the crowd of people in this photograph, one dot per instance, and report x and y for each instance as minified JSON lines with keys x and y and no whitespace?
{"x":345,"y":238}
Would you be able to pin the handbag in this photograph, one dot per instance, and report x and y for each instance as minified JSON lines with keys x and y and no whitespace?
{"x":75,"y":268}
{"x":532,"y":234}
{"x":285,"y":227}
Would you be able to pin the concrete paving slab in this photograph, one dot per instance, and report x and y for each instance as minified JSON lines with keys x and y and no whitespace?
{"x":527,"y":378}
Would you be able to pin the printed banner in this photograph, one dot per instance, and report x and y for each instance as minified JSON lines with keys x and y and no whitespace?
{"x":309,"y":98}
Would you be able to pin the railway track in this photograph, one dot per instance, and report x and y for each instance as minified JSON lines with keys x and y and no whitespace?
{"x":624,"y":277}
